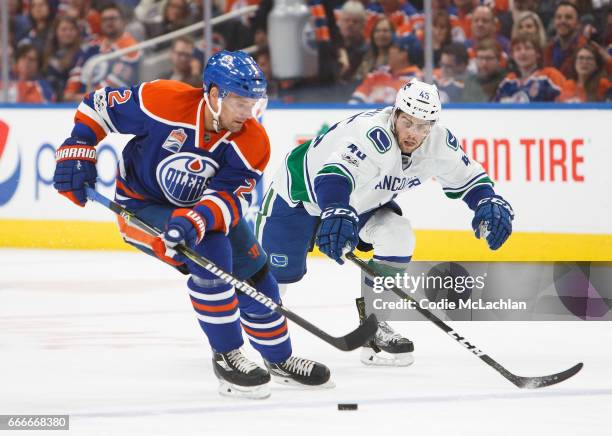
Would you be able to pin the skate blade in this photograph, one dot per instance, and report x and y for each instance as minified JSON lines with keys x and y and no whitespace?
{"x":288,"y":381}
{"x":260,"y":392}
{"x":371,"y":358}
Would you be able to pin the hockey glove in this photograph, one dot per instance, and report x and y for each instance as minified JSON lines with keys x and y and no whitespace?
{"x":493,"y":221}
{"x":338,"y":231}
{"x":186,"y":226}
{"x":75,"y":169}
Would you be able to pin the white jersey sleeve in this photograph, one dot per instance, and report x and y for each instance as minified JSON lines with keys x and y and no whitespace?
{"x":455,"y":171}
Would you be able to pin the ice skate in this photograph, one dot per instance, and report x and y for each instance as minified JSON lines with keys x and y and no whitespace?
{"x":387,"y":348}
{"x":298,"y":371}
{"x":240,"y":377}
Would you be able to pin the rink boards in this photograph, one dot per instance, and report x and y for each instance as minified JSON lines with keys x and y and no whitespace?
{"x":551,"y":163}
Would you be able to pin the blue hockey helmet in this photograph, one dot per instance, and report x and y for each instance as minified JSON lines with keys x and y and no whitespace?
{"x":235,"y":72}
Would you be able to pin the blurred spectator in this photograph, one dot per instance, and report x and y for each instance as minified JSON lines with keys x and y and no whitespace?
{"x":88,"y":19}
{"x":61,"y":53}
{"x":218,"y":44}
{"x":530,"y":83}
{"x":484,"y":25}
{"x":416,"y":23}
{"x":259,"y":24}
{"x":40,"y":24}
{"x":181,"y":56}
{"x":231,"y":5}
{"x":19,"y":23}
{"x":482,"y":85}
{"x":382,"y":85}
{"x":237,"y":33}
{"x":588,"y":79}
{"x":464,"y":15}
{"x":546,"y":12}
{"x":398,"y":12}
{"x":560,"y":52}
{"x":351,"y":24}
{"x":149,"y":11}
{"x":175,"y":15}
{"x":441,"y":35}
{"x":328,"y":39}
{"x":508,"y":18}
{"x":262,"y":58}
{"x":378,"y":53}
{"x":452,"y":73}
{"x":116,"y":72}
{"x":26,"y":85}
{"x":529,"y":22}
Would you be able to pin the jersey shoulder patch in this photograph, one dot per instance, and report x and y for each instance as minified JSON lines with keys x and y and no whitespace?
{"x":451,"y":140}
{"x":380,"y":139}
{"x":171,"y":101}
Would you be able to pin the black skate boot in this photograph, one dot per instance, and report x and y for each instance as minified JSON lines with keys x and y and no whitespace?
{"x":298,"y":371}
{"x":240,"y":377}
{"x":387,"y":348}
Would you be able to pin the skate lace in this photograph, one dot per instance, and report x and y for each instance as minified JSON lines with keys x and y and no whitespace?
{"x":386,"y":333}
{"x":299,"y":365}
{"x":240,"y":361}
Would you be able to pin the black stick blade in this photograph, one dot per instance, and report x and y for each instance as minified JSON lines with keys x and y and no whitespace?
{"x":359,"y":336}
{"x":547,"y":380}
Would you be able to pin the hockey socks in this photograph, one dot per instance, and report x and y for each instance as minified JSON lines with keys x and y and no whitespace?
{"x":267,"y":331}
{"x":216,"y":307}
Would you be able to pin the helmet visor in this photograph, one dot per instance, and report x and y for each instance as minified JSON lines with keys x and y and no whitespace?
{"x":414,"y":125}
{"x":244,"y":107}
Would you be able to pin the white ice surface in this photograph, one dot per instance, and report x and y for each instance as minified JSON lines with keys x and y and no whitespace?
{"x":111,"y":339}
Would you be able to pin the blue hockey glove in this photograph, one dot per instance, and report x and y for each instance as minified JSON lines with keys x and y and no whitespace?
{"x":75,"y":169}
{"x":338,"y":231}
{"x":186,"y":226}
{"x":493,"y":221}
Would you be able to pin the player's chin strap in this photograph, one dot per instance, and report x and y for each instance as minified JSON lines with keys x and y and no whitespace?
{"x":217,"y":114}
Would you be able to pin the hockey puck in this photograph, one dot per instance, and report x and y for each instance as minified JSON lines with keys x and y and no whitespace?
{"x":347,"y":406}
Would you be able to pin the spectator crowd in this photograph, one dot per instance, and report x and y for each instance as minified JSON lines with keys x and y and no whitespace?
{"x":483,"y":50}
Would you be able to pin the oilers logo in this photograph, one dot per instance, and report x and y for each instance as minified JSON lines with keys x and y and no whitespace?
{"x":183,"y":177}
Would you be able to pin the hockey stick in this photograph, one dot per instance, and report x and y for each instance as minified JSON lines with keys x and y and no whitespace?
{"x":351,"y":341}
{"x":521,"y":382}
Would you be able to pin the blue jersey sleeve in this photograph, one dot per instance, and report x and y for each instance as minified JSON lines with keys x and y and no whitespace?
{"x":110,"y":110}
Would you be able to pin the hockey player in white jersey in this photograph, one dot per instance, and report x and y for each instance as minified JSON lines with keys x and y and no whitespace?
{"x":338,"y":190}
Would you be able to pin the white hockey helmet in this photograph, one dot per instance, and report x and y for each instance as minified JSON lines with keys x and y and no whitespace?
{"x":419,"y":99}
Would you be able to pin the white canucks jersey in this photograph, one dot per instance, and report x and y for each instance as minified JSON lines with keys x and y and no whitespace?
{"x":363,"y":149}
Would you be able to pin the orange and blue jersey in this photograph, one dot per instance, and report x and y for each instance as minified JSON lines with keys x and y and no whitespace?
{"x":120,"y":72}
{"x":399,"y":17}
{"x":29,"y":91}
{"x":172,"y":159}
{"x":576,"y":93}
{"x":381,"y":86}
{"x":416,"y":25}
{"x":465,"y":22}
{"x":544,"y":84}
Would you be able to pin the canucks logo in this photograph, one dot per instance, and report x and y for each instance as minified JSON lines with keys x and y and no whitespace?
{"x":279,"y":260}
{"x":451,"y":140}
{"x":8,"y":187}
{"x":183,"y":177}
